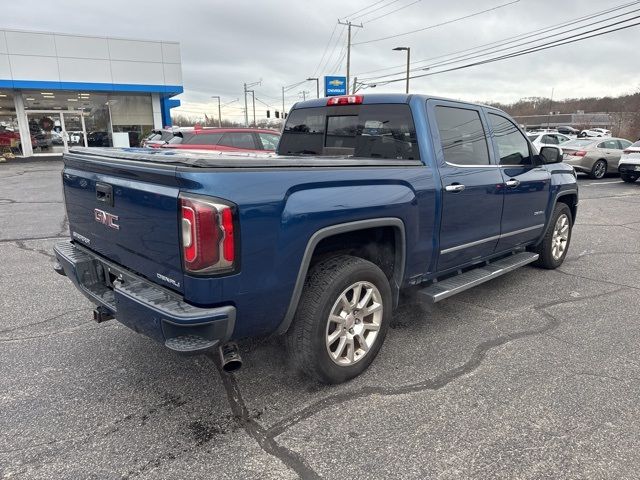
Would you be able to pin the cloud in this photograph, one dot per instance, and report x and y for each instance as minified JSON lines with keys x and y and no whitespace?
{"x":225,"y":44}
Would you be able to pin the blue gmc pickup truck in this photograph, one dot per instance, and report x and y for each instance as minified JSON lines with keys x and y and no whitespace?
{"x":366,"y":196}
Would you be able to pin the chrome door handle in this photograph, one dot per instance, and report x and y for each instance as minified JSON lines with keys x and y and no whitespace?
{"x":512,"y":183}
{"x":456,"y":187}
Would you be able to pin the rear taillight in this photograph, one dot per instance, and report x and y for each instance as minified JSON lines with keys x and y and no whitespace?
{"x":348,"y":100}
{"x":627,"y":151}
{"x":580,"y":153}
{"x":208,"y":237}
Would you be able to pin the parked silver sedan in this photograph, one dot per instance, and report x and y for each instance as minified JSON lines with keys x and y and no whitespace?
{"x":594,"y":156}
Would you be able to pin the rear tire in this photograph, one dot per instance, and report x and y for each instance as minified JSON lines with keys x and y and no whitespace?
{"x":342,"y":319}
{"x":555,"y":244}
{"x":599,"y":170}
{"x":628,"y":178}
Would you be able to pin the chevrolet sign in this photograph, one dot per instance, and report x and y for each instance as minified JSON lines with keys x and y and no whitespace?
{"x":335,"y":86}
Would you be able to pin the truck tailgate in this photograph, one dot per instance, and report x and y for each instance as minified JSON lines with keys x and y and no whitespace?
{"x":127,"y":212}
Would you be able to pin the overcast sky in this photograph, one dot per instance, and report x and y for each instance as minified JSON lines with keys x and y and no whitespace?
{"x":226,"y":43}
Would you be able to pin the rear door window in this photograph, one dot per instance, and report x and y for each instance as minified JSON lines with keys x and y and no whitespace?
{"x":204,"y":139}
{"x":610,"y":145}
{"x":243,"y":140}
{"x":462,"y":136}
{"x":368,"y":131}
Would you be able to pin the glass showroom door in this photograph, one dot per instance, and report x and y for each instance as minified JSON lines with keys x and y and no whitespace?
{"x":46,"y":132}
{"x":74,"y":131}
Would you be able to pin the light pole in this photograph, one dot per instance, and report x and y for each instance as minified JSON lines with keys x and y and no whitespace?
{"x":317,"y":85}
{"x":408,"y":50}
{"x":219,"y":110}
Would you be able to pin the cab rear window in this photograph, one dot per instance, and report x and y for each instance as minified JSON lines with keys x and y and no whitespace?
{"x":368,"y":131}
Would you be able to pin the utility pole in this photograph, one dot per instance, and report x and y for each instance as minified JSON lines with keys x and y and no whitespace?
{"x":304,"y":94}
{"x":219,"y":110}
{"x":317,"y":85}
{"x":283,"y":104}
{"x":355,"y":82}
{"x":246,"y":110}
{"x":349,"y":25}
{"x":253,"y":102}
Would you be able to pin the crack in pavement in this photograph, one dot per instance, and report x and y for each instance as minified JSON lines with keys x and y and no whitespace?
{"x":438,"y":382}
{"x":48,"y":319}
{"x":26,"y":239}
{"x":607,"y":225}
{"x":597,"y":280}
{"x":588,"y":253}
{"x":256,"y":431}
{"x":22,"y":246}
{"x":7,"y":201}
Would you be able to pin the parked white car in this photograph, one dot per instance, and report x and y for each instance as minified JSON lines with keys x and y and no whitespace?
{"x":595,"y":132}
{"x":629,"y":166}
{"x":540,"y":140}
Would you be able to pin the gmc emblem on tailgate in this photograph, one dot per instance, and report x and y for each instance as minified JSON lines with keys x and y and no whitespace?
{"x":106,"y":218}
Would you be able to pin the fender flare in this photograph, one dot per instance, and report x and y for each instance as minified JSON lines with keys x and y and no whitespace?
{"x":399,"y":264}
{"x":560,"y":194}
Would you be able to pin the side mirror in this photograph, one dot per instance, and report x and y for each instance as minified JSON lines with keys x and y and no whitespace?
{"x":551,"y":155}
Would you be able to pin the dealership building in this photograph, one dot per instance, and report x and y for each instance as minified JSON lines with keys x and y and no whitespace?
{"x":59,"y":90}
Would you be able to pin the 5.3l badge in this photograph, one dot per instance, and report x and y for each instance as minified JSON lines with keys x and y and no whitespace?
{"x":106,"y":218}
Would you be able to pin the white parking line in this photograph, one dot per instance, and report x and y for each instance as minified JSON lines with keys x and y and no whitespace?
{"x":604,"y":183}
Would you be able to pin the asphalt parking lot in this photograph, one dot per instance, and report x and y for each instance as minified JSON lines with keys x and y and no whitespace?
{"x":533,"y":375}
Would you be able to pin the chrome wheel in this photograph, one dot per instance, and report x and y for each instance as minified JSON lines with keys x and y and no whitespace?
{"x":353,"y":324}
{"x":599,"y":169}
{"x":560,"y":237}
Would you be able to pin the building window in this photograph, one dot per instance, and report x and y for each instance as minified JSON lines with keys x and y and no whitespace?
{"x":133,"y":115}
{"x":56,"y":117}
{"x":9,"y":132}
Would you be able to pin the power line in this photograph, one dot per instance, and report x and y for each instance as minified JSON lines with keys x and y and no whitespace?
{"x":365,"y":8}
{"x":538,"y":48}
{"x":447,"y":22}
{"x":392,"y":11}
{"x":335,"y":45}
{"x":496,"y":49}
{"x":508,"y":40}
{"x":374,"y":10}
{"x":326,"y":48}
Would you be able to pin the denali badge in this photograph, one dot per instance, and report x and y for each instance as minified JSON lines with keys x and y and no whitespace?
{"x":168,"y":280}
{"x":106,"y":218}
{"x":82,"y":238}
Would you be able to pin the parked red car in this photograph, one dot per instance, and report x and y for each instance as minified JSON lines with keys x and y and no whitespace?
{"x":226,"y":139}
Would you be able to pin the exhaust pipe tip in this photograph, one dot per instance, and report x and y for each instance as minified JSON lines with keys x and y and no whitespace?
{"x":230,"y":357}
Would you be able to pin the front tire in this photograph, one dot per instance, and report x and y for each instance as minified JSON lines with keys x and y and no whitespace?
{"x":599,"y":170}
{"x":628,"y":178}
{"x":342,"y":319}
{"x":555,"y":244}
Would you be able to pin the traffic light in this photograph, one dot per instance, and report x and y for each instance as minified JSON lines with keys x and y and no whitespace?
{"x":268,"y":114}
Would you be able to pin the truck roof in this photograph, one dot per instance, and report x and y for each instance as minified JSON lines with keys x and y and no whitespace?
{"x":374,"y":98}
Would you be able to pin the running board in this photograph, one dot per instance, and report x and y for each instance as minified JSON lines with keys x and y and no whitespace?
{"x":446,"y":288}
